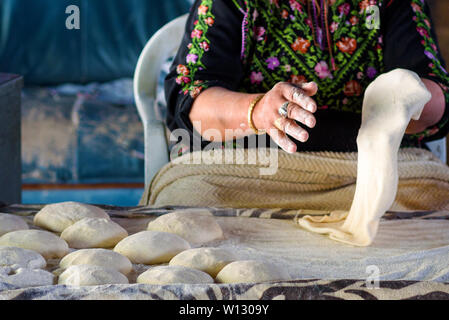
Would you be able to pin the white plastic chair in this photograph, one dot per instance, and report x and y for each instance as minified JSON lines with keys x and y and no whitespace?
{"x":438,"y":148}
{"x":163,"y":45}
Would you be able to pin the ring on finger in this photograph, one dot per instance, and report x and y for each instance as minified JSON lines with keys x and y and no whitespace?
{"x":283,"y":110}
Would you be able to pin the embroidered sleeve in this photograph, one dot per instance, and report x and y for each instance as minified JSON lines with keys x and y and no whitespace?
{"x":208,"y":56}
{"x":411,"y":43}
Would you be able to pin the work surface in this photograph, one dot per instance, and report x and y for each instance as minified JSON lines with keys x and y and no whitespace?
{"x":410,"y":254}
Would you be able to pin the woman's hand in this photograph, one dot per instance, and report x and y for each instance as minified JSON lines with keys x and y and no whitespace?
{"x":301,"y":108}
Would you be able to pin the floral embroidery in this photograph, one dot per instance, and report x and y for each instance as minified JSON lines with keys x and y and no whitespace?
{"x":423,"y":27}
{"x":277,"y":49}
{"x":199,"y":45}
{"x":322,"y":70}
{"x":301,"y":45}
{"x":348,"y":45}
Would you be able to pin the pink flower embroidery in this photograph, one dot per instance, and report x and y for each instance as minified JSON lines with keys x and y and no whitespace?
{"x":260,"y":32}
{"x":416,"y":8}
{"x":192,"y":58}
{"x":205,"y":46}
{"x":423,"y":32}
{"x":295,"y":5}
{"x":202,"y":10}
{"x":344,"y":9}
{"x":322,"y":70}
{"x":256,"y":77}
{"x":196,"y":33}
{"x":334,"y":26}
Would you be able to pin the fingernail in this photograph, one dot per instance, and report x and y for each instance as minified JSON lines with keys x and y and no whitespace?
{"x":310,"y":107}
{"x":310,"y":122}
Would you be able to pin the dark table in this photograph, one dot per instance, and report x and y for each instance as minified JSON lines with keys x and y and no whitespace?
{"x":10,"y":146}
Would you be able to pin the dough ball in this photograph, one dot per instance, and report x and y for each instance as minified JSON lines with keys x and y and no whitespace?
{"x":24,"y":277}
{"x":195,"y":226}
{"x":59,"y":216}
{"x":251,"y":271}
{"x":21,"y":258}
{"x":209,"y":260}
{"x":151,"y":247}
{"x":43,"y":242}
{"x":174,"y":274}
{"x":98,"y":257}
{"x":87,"y":275}
{"x":93,"y":233}
{"x":9,"y":222}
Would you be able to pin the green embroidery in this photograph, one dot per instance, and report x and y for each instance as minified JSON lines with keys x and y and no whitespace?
{"x":423,"y":27}
{"x":199,"y":45}
{"x":280,"y":47}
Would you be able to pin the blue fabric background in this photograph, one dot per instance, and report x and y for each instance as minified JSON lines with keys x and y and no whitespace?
{"x":35,"y":43}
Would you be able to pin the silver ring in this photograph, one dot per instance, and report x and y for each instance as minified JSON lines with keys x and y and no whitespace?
{"x":283,"y":111}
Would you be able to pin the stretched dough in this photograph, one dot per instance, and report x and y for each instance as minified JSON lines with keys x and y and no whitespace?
{"x":98,"y":257}
{"x":390,"y":102}
{"x":59,"y":216}
{"x":87,"y":275}
{"x":174,"y":274}
{"x":196,"y":226}
{"x":21,"y":258}
{"x":43,"y":242}
{"x":93,"y":233}
{"x":151,"y":247}
{"x":9,"y":222}
{"x":209,"y":260}
{"x":249,"y":271}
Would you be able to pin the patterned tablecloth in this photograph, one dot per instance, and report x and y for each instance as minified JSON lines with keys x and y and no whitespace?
{"x":411,"y":251}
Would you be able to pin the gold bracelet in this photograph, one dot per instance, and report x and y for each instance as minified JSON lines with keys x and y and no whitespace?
{"x":250,"y":115}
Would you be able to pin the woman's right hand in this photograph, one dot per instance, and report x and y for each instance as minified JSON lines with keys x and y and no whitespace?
{"x":301,"y":108}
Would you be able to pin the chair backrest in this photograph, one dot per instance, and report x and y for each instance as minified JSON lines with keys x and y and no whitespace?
{"x":161,"y":46}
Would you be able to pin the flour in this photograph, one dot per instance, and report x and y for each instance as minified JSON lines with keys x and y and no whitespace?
{"x":16,"y":258}
{"x":24,"y":277}
{"x":390,"y":102}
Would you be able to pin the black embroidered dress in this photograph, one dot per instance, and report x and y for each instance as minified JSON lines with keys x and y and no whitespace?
{"x":249,"y":46}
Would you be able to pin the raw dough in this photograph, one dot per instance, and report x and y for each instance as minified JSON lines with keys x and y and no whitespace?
{"x":46,"y":243}
{"x":151,"y":247}
{"x":196,"y":226}
{"x":252,"y":271}
{"x":389,"y":103}
{"x":209,"y":260}
{"x":9,"y":222}
{"x":21,"y":258}
{"x":93,"y":233}
{"x":174,"y":274}
{"x":24,"y":277}
{"x":98,"y":257}
{"x":87,"y":275}
{"x":59,"y":216}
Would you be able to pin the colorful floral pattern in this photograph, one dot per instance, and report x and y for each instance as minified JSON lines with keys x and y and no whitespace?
{"x":197,"y":48}
{"x":423,"y":27}
{"x":279,"y":44}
